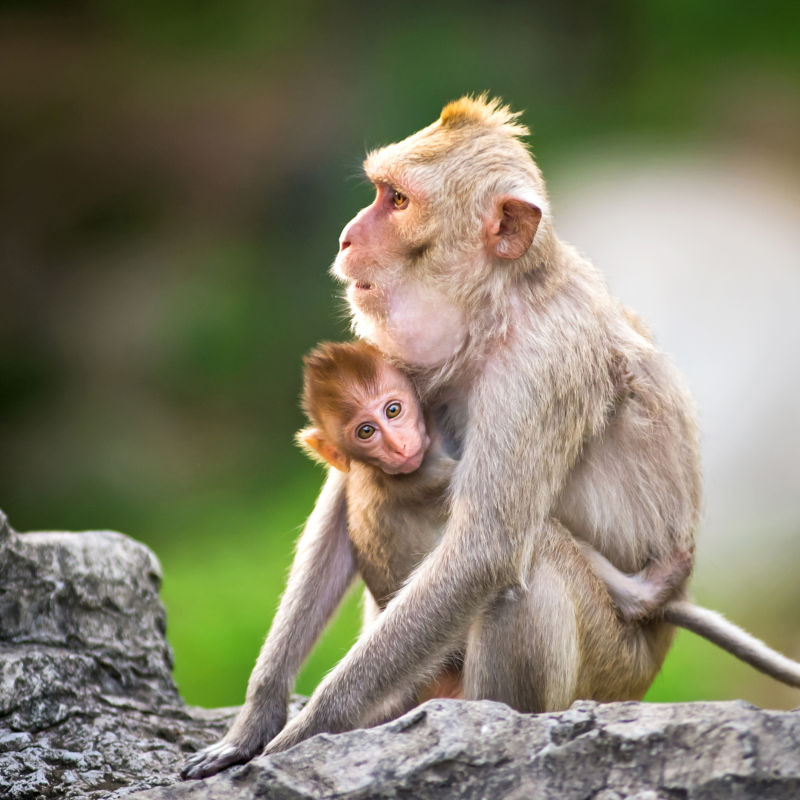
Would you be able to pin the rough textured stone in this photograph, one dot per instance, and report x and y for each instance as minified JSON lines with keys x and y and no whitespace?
{"x":453,"y":749}
{"x":88,"y":709}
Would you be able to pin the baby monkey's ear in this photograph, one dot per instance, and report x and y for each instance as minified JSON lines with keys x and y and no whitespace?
{"x":313,"y":441}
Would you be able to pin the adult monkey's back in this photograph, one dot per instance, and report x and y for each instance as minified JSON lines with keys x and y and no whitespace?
{"x":568,"y":424}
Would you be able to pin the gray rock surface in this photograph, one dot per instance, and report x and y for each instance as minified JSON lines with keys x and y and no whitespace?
{"x":88,"y":709}
{"x":453,"y":749}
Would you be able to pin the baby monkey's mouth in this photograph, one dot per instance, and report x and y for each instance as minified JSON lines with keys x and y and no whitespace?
{"x":363,"y":285}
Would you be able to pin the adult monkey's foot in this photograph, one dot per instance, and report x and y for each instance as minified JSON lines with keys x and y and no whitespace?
{"x":214,"y":758}
{"x":255,"y":725}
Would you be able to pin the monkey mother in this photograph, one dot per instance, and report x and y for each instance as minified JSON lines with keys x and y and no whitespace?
{"x":568,"y":424}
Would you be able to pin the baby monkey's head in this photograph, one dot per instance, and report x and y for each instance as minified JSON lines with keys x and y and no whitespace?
{"x":361,"y":408}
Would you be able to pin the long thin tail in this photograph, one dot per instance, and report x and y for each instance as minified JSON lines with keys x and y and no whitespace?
{"x":714,"y":627}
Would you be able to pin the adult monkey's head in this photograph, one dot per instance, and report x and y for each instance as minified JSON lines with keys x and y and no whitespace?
{"x":460,"y":215}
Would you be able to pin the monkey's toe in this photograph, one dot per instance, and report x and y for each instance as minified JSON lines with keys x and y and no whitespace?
{"x":212,"y":760}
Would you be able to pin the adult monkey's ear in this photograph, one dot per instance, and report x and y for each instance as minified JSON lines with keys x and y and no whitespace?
{"x":511,"y":224}
{"x":313,"y":441}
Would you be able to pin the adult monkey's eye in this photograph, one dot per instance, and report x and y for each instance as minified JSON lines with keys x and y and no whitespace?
{"x":399,"y":200}
{"x":365,"y":431}
{"x":393,"y":409}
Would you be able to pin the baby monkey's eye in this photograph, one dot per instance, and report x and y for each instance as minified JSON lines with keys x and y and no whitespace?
{"x":393,"y":409}
{"x":365,"y":431}
{"x":399,"y":200}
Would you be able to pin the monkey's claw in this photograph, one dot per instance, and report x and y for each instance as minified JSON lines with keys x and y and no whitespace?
{"x":213,"y":759}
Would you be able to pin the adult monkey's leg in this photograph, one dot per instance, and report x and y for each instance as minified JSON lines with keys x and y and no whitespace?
{"x":542,"y":646}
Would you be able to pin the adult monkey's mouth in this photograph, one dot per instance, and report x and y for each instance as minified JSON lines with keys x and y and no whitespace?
{"x":363,"y":285}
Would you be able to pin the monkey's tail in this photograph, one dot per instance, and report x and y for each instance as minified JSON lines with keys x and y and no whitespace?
{"x":714,"y":627}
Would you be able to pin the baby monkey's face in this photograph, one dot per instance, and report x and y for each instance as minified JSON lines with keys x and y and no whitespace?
{"x":388,"y":429}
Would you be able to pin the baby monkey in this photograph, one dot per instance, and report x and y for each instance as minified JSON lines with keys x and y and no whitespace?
{"x":368,"y":422}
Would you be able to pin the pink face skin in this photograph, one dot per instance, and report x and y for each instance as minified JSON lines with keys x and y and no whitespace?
{"x":408,"y":320}
{"x":388,"y":431}
{"x":377,"y":228}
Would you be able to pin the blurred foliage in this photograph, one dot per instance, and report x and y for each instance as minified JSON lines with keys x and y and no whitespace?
{"x":173,"y":178}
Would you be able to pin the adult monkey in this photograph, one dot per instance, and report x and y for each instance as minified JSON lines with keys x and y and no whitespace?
{"x":568,"y":424}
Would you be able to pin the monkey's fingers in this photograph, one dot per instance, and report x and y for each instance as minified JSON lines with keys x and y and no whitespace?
{"x":213,"y":759}
{"x":668,"y":575}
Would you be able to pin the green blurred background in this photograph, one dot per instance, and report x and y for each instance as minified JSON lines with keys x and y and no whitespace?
{"x":173,"y":180}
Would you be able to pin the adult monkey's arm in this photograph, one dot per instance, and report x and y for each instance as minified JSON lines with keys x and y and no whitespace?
{"x":322,"y":570}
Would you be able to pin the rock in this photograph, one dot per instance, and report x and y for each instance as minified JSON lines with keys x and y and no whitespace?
{"x":456,"y":749}
{"x":88,"y":709}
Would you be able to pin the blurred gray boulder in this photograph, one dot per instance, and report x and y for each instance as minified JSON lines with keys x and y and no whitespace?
{"x":88,"y":709}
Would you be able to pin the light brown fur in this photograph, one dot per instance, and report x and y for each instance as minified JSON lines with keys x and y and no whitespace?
{"x":395,"y":521}
{"x":524,"y":362}
{"x":567,"y":423}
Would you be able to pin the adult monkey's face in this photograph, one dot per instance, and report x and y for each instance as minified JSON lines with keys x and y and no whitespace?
{"x":454,"y":205}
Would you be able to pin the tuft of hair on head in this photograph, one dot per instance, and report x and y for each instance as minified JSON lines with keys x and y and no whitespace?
{"x":330,"y":371}
{"x":482,"y":110}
